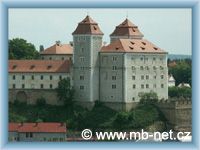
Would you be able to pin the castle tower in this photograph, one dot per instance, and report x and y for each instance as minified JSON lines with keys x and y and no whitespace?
{"x":87,"y":43}
{"x":126,"y":30}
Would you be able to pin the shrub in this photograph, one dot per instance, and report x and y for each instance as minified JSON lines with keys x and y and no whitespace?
{"x":41,"y":102}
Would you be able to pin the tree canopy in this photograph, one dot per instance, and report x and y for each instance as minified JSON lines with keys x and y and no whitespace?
{"x":21,"y":49}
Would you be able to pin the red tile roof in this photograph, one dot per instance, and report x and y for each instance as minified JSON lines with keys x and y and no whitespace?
{"x":132,"y":46}
{"x":88,"y":26}
{"x":58,"y":49}
{"x":42,"y":66}
{"x":127,"y":28}
{"x":38,"y":127}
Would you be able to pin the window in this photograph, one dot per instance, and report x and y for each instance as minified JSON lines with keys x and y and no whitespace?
{"x":13,"y":77}
{"x":32,"y":77}
{"x":161,"y":67}
{"x":31,"y":134}
{"x":82,"y":59}
{"x":162,"y":76}
{"x":81,"y":77}
{"x":141,"y":68}
{"x":63,"y":58}
{"x":114,"y":77}
{"x":133,"y":67}
{"x":50,"y":77}
{"x":42,"y":58}
{"x":147,"y":77}
{"x":41,"y":86}
{"x":147,"y":86}
{"x":142,"y":86}
{"x":23,"y":77}
{"x":13,"y":86}
{"x":41,"y":77}
{"x":60,"y":77}
{"x":154,"y":77}
{"x":162,"y":85}
{"x":154,"y":58}
{"x":23,"y":86}
{"x":141,"y":58}
{"x":50,"y":58}
{"x":147,"y":68}
{"x":146,"y":58}
{"x":134,"y":86}
{"x":142,"y":77}
{"x":50,"y":86}
{"x":114,"y":68}
{"x":82,"y":49}
{"x":81,"y":87}
{"x":114,"y":86}
{"x":133,"y":98}
{"x":27,"y":135}
{"x":133,"y":77}
{"x":114,"y":58}
{"x":154,"y":67}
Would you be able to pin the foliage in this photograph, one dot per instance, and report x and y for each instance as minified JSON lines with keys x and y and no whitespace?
{"x":65,"y":92}
{"x":182,"y":71}
{"x":21,"y":49}
{"x":41,"y":102}
{"x":185,"y":92}
{"x":148,"y":98}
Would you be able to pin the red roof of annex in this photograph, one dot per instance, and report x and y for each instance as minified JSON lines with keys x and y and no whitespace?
{"x":38,"y":127}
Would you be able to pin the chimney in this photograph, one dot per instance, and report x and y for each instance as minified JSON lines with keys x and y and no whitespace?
{"x":41,"y":48}
{"x":58,"y":43}
{"x":36,"y":124}
{"x":71,"y":43}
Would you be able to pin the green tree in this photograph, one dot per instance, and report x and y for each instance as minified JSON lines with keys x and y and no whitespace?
{"x":182,"y":72}
{"x":65,"y":92}
{"x":21,"y":49}
{"x":148,"y":98}
{"x":185,"y":92}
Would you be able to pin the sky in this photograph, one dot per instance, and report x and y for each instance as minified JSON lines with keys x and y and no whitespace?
{"x":169,"y":29}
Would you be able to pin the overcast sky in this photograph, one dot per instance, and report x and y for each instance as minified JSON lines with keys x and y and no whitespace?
{"x":169,"y":29}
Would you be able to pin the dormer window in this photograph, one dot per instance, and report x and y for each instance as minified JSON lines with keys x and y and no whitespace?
{"x":117,"y":48}
{"x":131,"y":47}
{"x":94,"y":27}
{"x":32,"y":66}
{"x":49,"y":67}
{"x":143,"y":43}
{"x":132,"y":42}
{"x":14,"y":67}
{"x":155,"y":48}
{"x":142,"y":48}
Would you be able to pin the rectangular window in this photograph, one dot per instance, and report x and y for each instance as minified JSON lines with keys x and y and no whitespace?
{"x":147,"y":86}
{"x":13,"y":77}
{"x":133,"y":77}
{"x":114,"y":86}
{"x":50,"y":77}
{"x":162,"y":85}
{"x":141,"y":68}
{"x":23,"y":86}
{"x":31,"y":134}
{"x":81,"y":87}
{"x":142,"y":77}
{"x":32,"y":77}
{"x":13,"y":86}
{"x":154,"y":58}
{"x":133,"y":67}
{"x":134,"y":86}
{"x":41,"y":77}
{"x":114,"y":58}
{"x":133,"y":98}
{"x":81,"y":77}
{"x":162,"y":76}
{"x":41,"y":86}
{"x":114,"y":77}
{"x":142,"y":86}
{"x":60,"y":77}
{"x":23,"y":77}
{"x":147,"y":77}
{"x":154,"y":67}
{"x":50,"y":86}
{"x":27,"y":135}
{"x":114,"y":68}
{"x":82,"y":59}
{"x":154,"y":77}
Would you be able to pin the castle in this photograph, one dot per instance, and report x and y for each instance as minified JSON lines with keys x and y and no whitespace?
{"x":115,"y":73}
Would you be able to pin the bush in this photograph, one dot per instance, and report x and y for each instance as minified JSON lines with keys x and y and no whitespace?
{"x":41,"y":102}
{"x":185,"y":92}
{"x":148,"y":98}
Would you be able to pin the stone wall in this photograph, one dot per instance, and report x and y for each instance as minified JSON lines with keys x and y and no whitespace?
{"x":30,"y":96}
{"x":178,"y":113}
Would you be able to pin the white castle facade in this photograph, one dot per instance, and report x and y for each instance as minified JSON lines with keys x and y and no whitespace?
{"x":115,"y":74}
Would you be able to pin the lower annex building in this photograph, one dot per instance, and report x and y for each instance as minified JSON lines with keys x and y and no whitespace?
{"x":115,"y":73}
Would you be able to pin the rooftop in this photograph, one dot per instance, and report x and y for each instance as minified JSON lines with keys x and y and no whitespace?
{"x":53,"y":66}
{"x":132,"y":46}
{"x":127,"y":28}
{"x":38,"y":127}
{"x":58,"y":48}
{"x":88,"y":26}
